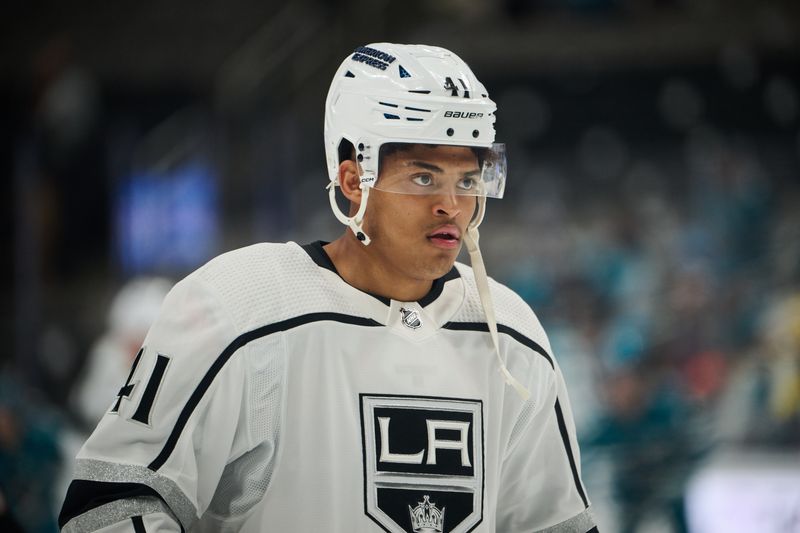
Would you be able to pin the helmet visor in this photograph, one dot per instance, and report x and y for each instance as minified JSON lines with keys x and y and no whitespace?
{"x":440,"y":169}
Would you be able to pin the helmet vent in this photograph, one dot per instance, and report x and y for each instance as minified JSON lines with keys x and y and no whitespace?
{"x":349,"y":74}
{"x":415,"y":119}
{"x":403,"y":72}
{"x":420,"y":91}
{"x":418,"y":109}
{"x":388,"y":104}
{"x":390,"y":116}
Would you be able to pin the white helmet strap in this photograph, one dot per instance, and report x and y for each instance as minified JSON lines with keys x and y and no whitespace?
{"x":471,"y":238}
{"x":355,"y":222}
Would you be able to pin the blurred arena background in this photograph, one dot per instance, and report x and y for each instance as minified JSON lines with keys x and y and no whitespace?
{"x":651,"y":219}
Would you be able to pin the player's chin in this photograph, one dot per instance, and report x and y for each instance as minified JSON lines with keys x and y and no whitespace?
{"x":441,"y":260}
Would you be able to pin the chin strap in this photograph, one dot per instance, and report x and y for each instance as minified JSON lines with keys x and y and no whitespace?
{"x":471,"y":238}
{"x":355,"y":222}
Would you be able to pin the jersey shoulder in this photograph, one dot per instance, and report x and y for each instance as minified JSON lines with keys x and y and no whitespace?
{"x":266,"y":283}
{"x":510,"y":309}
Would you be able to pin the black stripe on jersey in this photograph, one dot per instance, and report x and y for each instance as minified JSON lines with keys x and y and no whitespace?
{"x":514,"y":334}
{"x":438,"y":287}
{"x":138,"y":524}
{"x":84,"y":495}
{"x":226,"y":354}
{"x":318,"y":254}
{"x":562,"y":427}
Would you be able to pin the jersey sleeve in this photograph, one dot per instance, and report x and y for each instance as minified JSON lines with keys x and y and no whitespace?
{"x":156,"y":458}
{"x":541,"y":488}
{"x":162,"y":522}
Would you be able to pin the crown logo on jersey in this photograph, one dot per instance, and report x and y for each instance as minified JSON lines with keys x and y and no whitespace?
{"x":426,"y":517}
{"x":411,"y":318}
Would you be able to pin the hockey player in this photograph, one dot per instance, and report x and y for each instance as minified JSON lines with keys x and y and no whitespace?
{"x":363,"y":385}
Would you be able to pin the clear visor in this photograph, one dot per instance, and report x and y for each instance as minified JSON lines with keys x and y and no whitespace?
{"x":441,"y":169}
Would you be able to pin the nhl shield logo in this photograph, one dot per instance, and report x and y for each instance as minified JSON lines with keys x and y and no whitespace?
{"x":411,"y":318}
{"x":423,"y":463}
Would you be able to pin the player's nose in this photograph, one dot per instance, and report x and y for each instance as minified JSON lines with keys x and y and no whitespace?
{"x":447,"y":204}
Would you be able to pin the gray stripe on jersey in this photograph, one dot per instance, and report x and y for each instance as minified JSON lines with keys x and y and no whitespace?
{"x":113,"y":512}
{"x":580,"y":523}
{"x":181,"y":506}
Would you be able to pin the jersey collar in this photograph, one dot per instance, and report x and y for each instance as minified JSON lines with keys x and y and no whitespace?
{"x":318,"y":254}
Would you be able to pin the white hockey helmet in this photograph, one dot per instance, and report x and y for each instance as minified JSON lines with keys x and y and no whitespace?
{"x":413,"y":94}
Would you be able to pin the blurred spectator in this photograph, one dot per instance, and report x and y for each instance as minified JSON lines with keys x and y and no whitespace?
{"x":782,"y":344}
{"x":7,"y":522}
{"x":132,"y":311}
{"x":29,"y":461}
{"x":73,"y":197}
{"x":646,"y":434}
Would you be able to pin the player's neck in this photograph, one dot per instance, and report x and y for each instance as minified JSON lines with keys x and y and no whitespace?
{"x":359,"y":268}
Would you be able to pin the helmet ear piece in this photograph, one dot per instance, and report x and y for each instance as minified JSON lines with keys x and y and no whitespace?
{"x":356,"y":221}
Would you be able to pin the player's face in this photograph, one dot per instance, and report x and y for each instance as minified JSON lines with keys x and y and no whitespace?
{"x":420,"y":235}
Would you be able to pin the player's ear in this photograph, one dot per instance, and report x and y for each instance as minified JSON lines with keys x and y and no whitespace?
{"x":350,"y":181}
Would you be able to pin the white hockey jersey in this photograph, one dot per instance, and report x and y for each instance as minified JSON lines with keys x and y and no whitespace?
{"x":271,"y":396}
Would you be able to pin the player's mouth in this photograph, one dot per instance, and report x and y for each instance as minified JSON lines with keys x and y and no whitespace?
{"x":447,"y":237}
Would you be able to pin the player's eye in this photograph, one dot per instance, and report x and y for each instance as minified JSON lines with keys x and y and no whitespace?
{"x":424,"y":180}
{"x":467,"y":184}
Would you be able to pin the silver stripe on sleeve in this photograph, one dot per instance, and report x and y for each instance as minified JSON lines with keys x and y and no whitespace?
{"x":580,"y":523}
{"x":179,"y":503}
{"x":114,"y":512}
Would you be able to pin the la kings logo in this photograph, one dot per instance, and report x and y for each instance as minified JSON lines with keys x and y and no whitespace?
{"x":423,"y":463}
